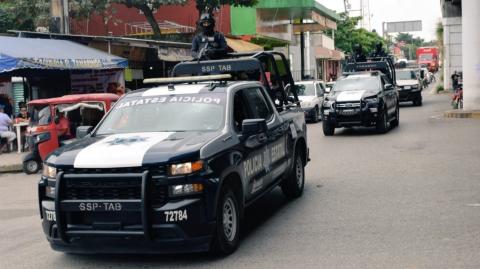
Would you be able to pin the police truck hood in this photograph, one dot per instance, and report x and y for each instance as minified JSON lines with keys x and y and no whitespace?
{"x":131,"y":150}
{"x":408,"y":82}
{"x":351,"y":95}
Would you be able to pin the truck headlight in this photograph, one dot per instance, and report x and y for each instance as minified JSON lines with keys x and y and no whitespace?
{"x":185,"y":189}
{"x":329,"y":104}
{"x":49,"y":171}
{"x":185,"y":168}
{"x":371,"y":100}
{"x":50,"y":191}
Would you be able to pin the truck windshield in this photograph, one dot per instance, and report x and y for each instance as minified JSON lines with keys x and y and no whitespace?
{"x":305,"y":89}
{"x":356,"y":84}
{"x":178,"y":113}
{"x":40,"y":115}
{"x":405,"y":74}
{"x":425,"y":57}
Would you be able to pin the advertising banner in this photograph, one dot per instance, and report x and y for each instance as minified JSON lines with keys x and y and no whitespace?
{"x":96,"y":81}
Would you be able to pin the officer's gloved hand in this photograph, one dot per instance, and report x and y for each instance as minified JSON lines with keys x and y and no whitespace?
{"x":210,"y":53}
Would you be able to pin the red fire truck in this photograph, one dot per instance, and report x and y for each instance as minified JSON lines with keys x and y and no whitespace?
{"x":428,"y":56}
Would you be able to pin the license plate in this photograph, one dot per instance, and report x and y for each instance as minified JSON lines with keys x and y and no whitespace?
{"x":407,"y":88}
{"x":348,"y":112}
{"x":100,"y":206}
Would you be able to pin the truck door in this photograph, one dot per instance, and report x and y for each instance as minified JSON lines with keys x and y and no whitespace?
{"x":273,"y":154}
{"x":390,"y":95}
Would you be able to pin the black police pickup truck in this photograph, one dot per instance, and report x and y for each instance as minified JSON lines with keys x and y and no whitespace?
{"x":172,"y":168}
{"x":364,"y":96}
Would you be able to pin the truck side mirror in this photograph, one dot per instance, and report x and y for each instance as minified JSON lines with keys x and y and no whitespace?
{"x":388,"y":86}
{"x":83,"y":131}
{"x":254,"y":132}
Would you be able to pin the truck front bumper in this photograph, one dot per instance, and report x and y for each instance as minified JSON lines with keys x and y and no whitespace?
{"x":310,"y":113}
{"x":365,"y":116}
{"x":128,"y":226}
{"x":409,"y":95}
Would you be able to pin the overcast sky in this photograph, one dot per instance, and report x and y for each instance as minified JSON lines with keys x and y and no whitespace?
{"x":397,"y":10}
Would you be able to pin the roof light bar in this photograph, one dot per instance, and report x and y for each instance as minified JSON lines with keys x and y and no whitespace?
{"x":186,"y":79}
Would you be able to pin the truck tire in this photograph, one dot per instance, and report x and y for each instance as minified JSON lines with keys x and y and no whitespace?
{"x":418,"y":101}
{"x":31,"y":166}
{"x":382,"y":122}
{"x":328,"y":128}
{"x":292,"y":185}
{"x":226,"y":235}
{"x":316,"y":115}
{"x":396,"y":121}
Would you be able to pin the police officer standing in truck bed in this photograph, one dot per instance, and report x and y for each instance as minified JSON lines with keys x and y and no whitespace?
{"x":208,"y":44}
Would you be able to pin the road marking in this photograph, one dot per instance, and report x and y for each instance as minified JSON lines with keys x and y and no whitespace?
{"x":474,"y":205}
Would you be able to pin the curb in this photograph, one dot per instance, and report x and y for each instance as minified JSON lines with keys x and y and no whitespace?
{"x":11,"y":168}
{"x":462,"y":114}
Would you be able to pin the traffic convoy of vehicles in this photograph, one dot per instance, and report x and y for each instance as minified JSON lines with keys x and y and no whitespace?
{"x":364,"y":96}
{"x":172,"y":167}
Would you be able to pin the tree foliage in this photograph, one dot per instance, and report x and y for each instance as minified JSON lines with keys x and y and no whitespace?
{"x":347,"y":35}
{"x":24,"y":14}
{"x":84,"y":9}
{"x":147,"y":7}
{"x":409,"y":39}
{"x":210,"y":5}
{"x":411,"y":44}
{"x":104,"y":8}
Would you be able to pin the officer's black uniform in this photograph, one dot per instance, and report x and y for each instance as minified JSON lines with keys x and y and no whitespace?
{"x":208,"y":44}
{"x":358,"y":54}
{"x":379,"y":51}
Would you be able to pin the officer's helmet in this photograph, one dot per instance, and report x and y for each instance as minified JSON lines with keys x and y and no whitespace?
{"x":206,"y":22}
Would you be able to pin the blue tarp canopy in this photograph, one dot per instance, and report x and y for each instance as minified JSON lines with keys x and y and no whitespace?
{"x":33,"y":53}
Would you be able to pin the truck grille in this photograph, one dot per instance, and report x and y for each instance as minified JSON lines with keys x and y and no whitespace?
{"x":154,"y":171}
{"x":102,"y":189}
{"x":120,"y":184}
{"x":348,"y":105}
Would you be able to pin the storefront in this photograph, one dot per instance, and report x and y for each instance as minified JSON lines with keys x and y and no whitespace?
{"x":43,"y":68}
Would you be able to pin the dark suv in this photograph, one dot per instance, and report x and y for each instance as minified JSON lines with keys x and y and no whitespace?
{"x":361,"y":99}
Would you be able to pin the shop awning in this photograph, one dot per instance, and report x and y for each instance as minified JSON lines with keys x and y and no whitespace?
{"x":32,"y":53}
{"x":326,"y":54}
{"x":238,"y":45}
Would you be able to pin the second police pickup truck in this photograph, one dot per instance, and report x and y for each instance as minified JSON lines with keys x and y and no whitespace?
{"x":171,"y":168}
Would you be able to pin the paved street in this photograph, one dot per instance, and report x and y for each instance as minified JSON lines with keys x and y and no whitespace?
{"x":406,"y":199}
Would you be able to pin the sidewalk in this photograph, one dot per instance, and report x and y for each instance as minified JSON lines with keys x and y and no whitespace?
{"x":455,"y":113}
{"x":11,"y":162}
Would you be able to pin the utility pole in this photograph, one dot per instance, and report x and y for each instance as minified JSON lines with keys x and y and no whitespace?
{"x":66,"y":18}
{"x":59,"y":22}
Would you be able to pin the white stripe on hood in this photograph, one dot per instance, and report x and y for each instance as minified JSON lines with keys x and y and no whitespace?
{"x":347,"y":96}
{"x":118,"y":150}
